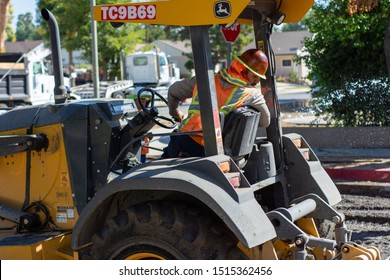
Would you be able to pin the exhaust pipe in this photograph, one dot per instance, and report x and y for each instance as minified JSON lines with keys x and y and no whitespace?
{"x":60,"y":92}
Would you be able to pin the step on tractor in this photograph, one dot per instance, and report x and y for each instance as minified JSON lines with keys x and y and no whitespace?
{"x":73,"y":187}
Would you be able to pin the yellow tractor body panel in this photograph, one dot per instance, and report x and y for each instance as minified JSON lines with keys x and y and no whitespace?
{"x":13,"y":175}
{"x":55,"y":247}
{"x":191,"y":13}
{"x":171,"y":12}
{"x":49,"y":178}
{"x":295,"y":10}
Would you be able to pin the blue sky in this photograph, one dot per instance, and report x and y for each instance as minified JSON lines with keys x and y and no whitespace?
{"x":22,"y":7}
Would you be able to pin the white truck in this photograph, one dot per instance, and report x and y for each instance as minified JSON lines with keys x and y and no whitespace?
{"x":26,"y":79}
{"x":150,"y":69}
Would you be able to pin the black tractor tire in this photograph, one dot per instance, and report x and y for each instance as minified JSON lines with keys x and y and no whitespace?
{"x":164,"y":230}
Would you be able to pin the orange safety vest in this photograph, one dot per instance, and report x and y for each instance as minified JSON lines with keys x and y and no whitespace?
{"x":145,"y":149}
{"x":228,"y":99}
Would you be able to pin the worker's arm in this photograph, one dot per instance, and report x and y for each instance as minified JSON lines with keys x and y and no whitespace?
{"x":179,"y":92}
{"x":257,"y":101}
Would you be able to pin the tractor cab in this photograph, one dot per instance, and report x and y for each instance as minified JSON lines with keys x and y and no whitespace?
{"x":261,"y":14}
{"x":262,"y":158}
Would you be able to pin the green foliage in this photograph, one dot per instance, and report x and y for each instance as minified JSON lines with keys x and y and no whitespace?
{"x":358,"y":103}
{"x":74,"y":21}
{"x":219,"y":45}
{"x":294,"y":26}
{"x":346,"y":59}
{"x":10,"y":37}
{"x":111,"y":44}
{"x":293,"y":77}
{"x":176,"y":33}
{"x":153,"y":33}
{"x":73,"y":18}
{"x":345,"y":47}
{"x":25,"y":28}
{"x":189,"y":65}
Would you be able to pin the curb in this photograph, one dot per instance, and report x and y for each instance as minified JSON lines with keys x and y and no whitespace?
{"x":363,"y":188}
{"x":290,"y":105}
{"x":356,"y":165}
{"x":349,"y":174}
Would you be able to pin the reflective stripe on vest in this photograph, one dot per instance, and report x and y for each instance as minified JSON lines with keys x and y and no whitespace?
{"x":229,"y":78}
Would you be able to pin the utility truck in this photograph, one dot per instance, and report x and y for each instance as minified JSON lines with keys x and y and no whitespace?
{"x":150,"y":69}
{"x":73,"y":187}
{"x":27,"y":79}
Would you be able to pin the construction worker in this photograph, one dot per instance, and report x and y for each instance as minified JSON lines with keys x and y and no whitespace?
{"x":236,"y":86}
{"x":144,"y":149}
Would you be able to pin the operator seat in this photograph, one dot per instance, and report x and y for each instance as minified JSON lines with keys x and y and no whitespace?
{"x":239,"y":133}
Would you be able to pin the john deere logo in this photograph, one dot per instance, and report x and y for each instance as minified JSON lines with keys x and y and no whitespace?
{"x":222,"y":9}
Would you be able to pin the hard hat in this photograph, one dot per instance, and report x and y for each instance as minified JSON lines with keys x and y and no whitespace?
{"x":255,"y":61}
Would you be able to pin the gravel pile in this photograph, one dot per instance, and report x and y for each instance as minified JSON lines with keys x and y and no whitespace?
{"x":368,"y":216}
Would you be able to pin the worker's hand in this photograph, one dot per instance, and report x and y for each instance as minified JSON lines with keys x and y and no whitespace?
{"x":179,"y":116}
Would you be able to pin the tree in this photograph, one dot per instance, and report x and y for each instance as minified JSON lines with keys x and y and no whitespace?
{"x":153,"y":33}
{"x":112,"y":42}
{"x":360,"y":102}
{"x":345,"y":47}
{"x":177,"y":33}
{"x":219,"y":46}
{"x":347,"y":61}
{"x":74,"y":19}
{"x":10,"y":35}
{"x":217,"y":41}
{"x":4,"y":14}
{"x":25,"y":29}
{"x":294,"y":26}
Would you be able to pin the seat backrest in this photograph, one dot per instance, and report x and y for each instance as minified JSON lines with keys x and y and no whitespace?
{"x":239,"y":132}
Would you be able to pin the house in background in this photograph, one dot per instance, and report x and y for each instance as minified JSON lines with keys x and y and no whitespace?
{"x":287,"y":46}
{"x":76,"y":58}
{"x":177,"y":53}
{"x":25,"y":47}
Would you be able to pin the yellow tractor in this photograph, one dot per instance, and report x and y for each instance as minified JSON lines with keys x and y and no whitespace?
{"x":73,"y":187}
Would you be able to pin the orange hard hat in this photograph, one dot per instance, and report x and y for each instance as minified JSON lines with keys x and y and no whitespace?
{"x":255,"y":61}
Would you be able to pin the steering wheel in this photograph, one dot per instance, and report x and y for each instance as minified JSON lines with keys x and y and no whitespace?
{"x":152,"y":111}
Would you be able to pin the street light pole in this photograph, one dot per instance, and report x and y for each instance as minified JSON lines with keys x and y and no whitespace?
{"x":95,"y":62}
{"x":228,"y":53}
